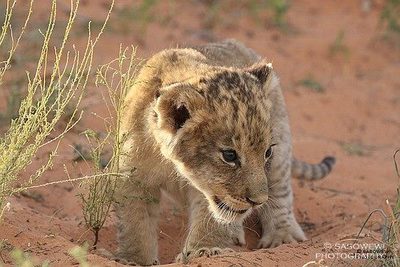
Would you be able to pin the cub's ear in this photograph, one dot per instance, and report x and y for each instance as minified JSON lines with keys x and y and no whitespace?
{"x":172,"y":111}
{"x":262,"y":71}
{"x":179,"y":115}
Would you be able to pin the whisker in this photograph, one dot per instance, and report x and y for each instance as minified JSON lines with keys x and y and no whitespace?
{"x":273,"y":184}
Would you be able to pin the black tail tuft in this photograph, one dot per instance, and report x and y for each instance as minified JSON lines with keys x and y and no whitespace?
{"x":329,"y":161}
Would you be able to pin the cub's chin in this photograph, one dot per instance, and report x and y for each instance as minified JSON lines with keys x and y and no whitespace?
{"x":224,"y":213}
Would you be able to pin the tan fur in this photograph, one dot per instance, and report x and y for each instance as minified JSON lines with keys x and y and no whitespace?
{"x":186,"y":107}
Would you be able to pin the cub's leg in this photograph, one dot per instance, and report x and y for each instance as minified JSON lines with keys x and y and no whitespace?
{"x":206,"y":236}
{"x":277,"y":219}
{"x":137,"y":211}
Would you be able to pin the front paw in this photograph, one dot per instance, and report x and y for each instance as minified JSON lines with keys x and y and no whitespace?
{"x":126,"y":259}
{"x":132,"y":263}
{"x":107,"y":254}
{"x":238,"y":236}
{"x":279,"y":236}
{"x":187,"y":255}
{"x":125,"y":262}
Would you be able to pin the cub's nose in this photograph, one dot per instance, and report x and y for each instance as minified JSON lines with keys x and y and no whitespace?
{"x":256,"y":201}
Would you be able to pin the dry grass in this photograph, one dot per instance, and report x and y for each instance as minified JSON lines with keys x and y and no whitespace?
{"x":117,"y":77}
{"x":391,"y":235}
{"x":391,"y":228}
{"x":60,"y":78}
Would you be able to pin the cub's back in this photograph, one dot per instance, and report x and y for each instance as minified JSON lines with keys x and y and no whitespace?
{"x":228,"y":53}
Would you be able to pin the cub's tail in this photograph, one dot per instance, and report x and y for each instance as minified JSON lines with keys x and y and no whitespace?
{"x":304,"y":170}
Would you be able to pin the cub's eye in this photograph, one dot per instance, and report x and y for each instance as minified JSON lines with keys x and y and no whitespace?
{"x":268,"y":153}
{"x":229,"y":155}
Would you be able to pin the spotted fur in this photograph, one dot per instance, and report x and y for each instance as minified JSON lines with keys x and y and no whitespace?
{"x":188,"y":107}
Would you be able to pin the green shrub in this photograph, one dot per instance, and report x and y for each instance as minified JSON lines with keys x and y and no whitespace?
{"x":390,"y":16}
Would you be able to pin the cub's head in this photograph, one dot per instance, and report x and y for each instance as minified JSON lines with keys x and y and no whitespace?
{"x":216,"y":130}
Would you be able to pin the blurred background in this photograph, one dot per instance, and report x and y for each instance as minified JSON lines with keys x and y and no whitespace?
{"x":315,"y":47}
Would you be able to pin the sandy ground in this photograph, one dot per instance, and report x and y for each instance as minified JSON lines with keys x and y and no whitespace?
{"x":355,"y":118}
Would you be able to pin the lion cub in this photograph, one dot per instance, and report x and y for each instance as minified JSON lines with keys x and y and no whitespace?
{"x":209,"y":126}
